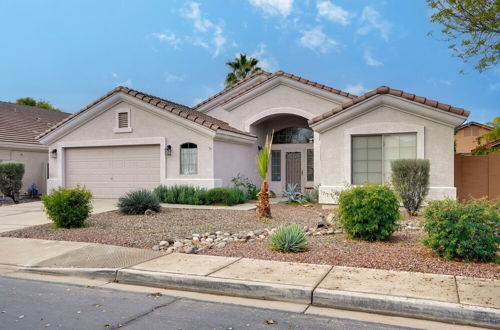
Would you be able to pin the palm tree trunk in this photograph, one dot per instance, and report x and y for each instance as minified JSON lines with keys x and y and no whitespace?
{"x":263,"y":207}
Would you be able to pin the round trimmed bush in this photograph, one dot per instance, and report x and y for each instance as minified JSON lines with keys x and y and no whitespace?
{"x":138,"y":201}
{"x":68,"y":208}
{"x":288,"y":239}
{"x":369,"y":212}
{"x":468,"y":231}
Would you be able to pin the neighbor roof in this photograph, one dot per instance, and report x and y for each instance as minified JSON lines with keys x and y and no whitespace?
{"x":267,"y":76}
{"x":470,"y":123}
{"x":172,"y":107}
{"x":22,"y":123}
{"x":395,"y":92}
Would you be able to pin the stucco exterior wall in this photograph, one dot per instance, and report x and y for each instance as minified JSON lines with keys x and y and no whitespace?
{"x":232,"y":158}
{"x":35,"y":164}
{"x":437,"y":140}
{"x":467,"y":138}
{"x":145,"y":125}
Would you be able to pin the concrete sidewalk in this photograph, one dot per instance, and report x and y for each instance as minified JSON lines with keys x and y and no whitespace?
{"x":437,"y":297}
{"x":18,"y":216}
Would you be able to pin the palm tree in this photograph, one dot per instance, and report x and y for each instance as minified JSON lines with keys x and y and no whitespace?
{"x":241,"y":67}
{"x":263,"y":159}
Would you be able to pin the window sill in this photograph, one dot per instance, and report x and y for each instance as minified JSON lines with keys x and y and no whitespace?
{"x":123,"y":130}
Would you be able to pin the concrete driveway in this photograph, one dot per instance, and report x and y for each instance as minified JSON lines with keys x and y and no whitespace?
{"x":23,"y":215}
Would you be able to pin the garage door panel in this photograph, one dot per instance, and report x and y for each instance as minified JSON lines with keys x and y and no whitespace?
{"x":110,"y":172}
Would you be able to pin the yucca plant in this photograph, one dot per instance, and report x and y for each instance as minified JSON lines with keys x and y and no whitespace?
{"x":138,"y":201}
{"x":288,"y":239}
{"x":263,"y":159}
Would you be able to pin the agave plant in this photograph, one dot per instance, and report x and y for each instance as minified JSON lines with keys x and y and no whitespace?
{"x":293,"y":195}
{"x":288,"y":239}
{"x":263,"y":159}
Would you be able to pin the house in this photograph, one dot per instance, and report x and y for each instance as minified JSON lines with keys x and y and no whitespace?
{"x":467,"y":136}
{"x":19,"y":127}
{"x":322,"y":137}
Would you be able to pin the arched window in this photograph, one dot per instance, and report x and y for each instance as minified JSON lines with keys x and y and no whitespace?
{"x":189,"y":158}
{"x":293,"y":135}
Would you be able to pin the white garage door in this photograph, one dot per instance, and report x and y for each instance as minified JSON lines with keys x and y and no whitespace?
{"x":109,"y":172}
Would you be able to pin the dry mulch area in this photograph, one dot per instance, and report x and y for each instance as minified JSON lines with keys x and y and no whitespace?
{"x":404,"y":251}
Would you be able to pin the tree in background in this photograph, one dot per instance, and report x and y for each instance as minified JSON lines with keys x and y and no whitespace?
{"x":34,"y":103}
{"x":487,"y":138}
{"x":263,"y":159}
{"x":241,"y":67}
{"x":11,"y":179}
{"x":472,"y":27}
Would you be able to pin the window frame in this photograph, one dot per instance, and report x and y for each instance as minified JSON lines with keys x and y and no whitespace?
{"x":189,"y":146}
{"x":309,"y":165}
{"x":275,"y":165}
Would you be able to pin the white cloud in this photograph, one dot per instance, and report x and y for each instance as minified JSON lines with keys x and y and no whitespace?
{"x":169,"y":37}
{"x":446,"y":82}
{"x":115,"y":75}
{"x":126,"y":83}
{"x":371,"y":20}
{"x":274,"y":7}
{"x":356,"y":89}
{"x":370,"y":60}
{"x":494,"y":87}
{"x":266,"y":62}
{"x":210,"y":35}
{"x":332,"y":12}
{"x":317,"y":40}
{"x":172,"y":77}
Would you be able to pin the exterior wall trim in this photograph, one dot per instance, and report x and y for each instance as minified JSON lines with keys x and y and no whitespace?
{"x":276,"y":111}
{"x":23,"y":146}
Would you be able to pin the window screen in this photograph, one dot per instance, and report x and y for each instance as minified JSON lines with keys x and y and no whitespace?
{"x":310,"y":165}
{"x":275,"y":165}
{"x":189,"y":158}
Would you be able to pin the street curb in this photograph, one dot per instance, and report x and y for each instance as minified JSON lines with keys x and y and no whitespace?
{"x":100,"y":273}
{"x":410,"y":307}
{"x":216,"y":285}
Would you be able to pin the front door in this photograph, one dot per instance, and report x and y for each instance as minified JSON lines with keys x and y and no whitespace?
{"x":293,"y":170}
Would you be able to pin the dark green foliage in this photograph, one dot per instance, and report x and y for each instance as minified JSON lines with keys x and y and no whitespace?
{"x":11,"y":179}
{"x":369,"y":212}
{"x":288,"y":239}
{"x":68,"y":208}
{"x":468,"y":231}
{"x":138,"y":201}
{"x":242,"y":182}
{"x":34,"y":103}
{"x":226,"y":196}
{"x":410,"y":178}
{"x":181,"y":195}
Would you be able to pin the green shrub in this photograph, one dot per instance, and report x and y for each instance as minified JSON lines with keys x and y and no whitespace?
{"x":226,"y":196}
{"x":294,"y":196}
{"x":288,"y":239}
{"x":242,"y":182}
{"x":181,"y":195}
{"x":369,"y":212}
{"x":311,"y":195}
{"x":410,"y":178}
{"x":68,"y":208}
{"x":11,"y":179}
{"x":138,"y":201}
{"x":468,"y":231}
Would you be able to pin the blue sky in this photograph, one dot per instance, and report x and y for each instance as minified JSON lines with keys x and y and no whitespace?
{"x":72,"y":52}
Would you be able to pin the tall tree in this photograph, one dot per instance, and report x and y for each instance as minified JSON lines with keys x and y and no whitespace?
{"x":472,"y":27}
{"x":34,"y":103}
{"x":241,"y":67}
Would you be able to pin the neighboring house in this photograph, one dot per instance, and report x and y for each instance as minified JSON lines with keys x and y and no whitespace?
{"x":467,"y":136}
{"x":19,"y":126}
{"x":322,"y":137}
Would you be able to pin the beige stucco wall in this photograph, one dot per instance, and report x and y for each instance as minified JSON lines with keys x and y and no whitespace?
{"x":145,"y":124}
{"x":467,"y":138}
{"x":234,"y":158}
{"x":35,"y":164}
{"x":437,"y":139}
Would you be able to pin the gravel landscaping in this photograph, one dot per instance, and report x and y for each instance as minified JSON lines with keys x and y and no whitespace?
{"x":404,"y":251}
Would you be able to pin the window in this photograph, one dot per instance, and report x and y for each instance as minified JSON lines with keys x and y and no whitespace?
{"x":293,"y":135}
{"x":123,"y":120}
{"x":310,"y":165}
{"x":372,"y":156}
{"x":275,"y":165}
{"x":189,"y":158}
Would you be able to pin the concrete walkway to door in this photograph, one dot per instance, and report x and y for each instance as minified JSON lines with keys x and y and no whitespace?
{"x":24,"y":215}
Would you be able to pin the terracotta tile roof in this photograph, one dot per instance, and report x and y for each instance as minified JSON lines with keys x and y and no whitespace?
{"x":269,"y":76}
{"x":22,"y":123}
{"x":175,"y":108}
{"x":399,"y":93}
{"x":227,"y":89}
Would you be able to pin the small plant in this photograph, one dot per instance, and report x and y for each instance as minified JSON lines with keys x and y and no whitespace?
{"x":263,"y":159}
{"x":410,"y":178}
{"x":68,"y":208}
{"x":226,"y":196}
{"x":468,"y":231}
{"x":11,"y":179}
{"x":242,"y":182}
{"x":181,"y":195}
{"x":294,"y":197}
{"x":288,"y":239}
{"x":369,"y":212}
{"x":311,"y":195}
{"x":138,"y":201}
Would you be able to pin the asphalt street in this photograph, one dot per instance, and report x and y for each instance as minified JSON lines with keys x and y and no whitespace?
{"x":30,"y":304}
